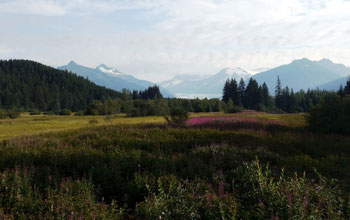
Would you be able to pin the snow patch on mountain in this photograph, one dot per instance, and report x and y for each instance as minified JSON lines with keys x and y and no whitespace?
{"x":109,"y":70}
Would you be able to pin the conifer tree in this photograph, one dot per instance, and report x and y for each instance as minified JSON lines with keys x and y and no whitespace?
{"x":278,"y":94}
{"x":241,"y":91}
{"x":226,"y":91}
{"x":234,"y":92}
{"x":341,"y":92}
{"x":252,"y":94}
{"x":347,"y":88}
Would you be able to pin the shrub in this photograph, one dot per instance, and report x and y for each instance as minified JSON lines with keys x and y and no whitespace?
{"x":65,"y":112}
{"x":177,"y":116}
{"x":13,"y":114}
{"x":3,"y":114}
{"x":35,"y":112}
{"x":231,"y":108}
{"x":79,"y":113}
{"x":332,"y":115}
{"x":176,"y":199}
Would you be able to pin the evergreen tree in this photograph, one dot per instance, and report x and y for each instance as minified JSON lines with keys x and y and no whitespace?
{"x":234,"y":92}
{"x":341,"y":91}
{"x":226,"y":91}
{"x":241,"y":91}
{"x":252,"y":94}
{"x":347,"y":88}
{"x":278,"y":94}
{"x":265,"y":95}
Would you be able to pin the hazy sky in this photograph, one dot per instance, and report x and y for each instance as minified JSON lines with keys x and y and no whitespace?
{"x":156,"y":39}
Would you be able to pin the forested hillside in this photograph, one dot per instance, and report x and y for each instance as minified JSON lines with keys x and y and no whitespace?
{"x":26,"y":85}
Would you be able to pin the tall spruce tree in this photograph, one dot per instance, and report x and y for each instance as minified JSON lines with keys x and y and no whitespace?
{"x":241,"y":91}
{"x":234,"y":92}
{"x":278,"y":94}
{"x":347,"y":88}
{"x":341,"y":92}
{"x":226,"y":91}
{"x":252,"y":94}
{"x":265,"y":95}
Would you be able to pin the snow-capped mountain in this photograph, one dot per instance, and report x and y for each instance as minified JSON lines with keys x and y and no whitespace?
{"x":109,"y":70}
{"x":210,"y":85}
{"x":111,"y":78}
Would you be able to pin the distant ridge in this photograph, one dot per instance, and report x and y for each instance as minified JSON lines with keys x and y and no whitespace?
{"x":111,"y":78}
{"x":213,"y":85}
{"x":334,"y":85}
{"x":303,"y":74}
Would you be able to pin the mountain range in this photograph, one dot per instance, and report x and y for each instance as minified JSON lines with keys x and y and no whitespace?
{"x":299,"y":74}
{"x":199,"y":86}
{"x":303,"y":74}
{"x":111,"y":78}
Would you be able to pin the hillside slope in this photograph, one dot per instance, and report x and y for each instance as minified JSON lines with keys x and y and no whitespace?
{"x":303,"y":74}
{"x":111,"y":78}
{"x":29,"y":85}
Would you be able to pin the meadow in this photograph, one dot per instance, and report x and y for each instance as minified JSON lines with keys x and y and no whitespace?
{"x":96,"y":167}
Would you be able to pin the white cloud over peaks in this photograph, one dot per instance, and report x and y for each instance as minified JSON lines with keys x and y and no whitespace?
{"x":155,"y":39}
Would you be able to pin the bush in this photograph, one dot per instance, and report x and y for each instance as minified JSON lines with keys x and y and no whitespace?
{"x":35,"y":112}
{"x":177,"y":116}
{"x":231,"y":108}
{"x":176,"y":199}
{"x":49,"y":113}
{"x":3,"y":114}
{"x":332,"y":115}
{"x":14,"y":115}
{"x":65,"y":112}
{"x":79,"y":113}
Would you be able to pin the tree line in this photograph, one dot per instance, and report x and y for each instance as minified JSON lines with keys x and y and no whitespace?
{"x":257,"y":97}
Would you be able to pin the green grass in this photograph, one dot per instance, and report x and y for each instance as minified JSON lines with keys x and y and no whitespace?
{"x":27,"y":125}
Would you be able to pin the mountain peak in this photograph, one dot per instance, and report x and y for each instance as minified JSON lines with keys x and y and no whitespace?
{"x":302,"y":60}
{"x":234,"y":72}
{"x":72,"y":63}
{"x":109,"y":70}
{"x":326,"y":61}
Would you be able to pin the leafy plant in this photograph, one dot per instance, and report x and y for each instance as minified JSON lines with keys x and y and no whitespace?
{"x":177,"y":116}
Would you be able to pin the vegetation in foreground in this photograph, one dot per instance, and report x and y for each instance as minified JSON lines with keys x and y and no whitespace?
{"x":148,"y":171}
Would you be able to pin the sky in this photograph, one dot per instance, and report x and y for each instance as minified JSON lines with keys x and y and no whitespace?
{"x":157,"y":39}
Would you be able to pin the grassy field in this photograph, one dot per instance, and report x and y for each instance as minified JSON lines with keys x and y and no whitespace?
{"x":93,"y":167}
{"x":28,"y":125}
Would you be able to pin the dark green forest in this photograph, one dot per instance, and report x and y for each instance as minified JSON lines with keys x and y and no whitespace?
{"x":258,"y":97}
{"x":27,"y":85}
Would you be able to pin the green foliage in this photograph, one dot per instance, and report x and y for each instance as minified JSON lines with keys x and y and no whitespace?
{"x":265,"y":196}
{"x":21,"y":198}
{"x":176,"y":199}
{"x":154,"y":170}
{"x":177,"y":116}
{"x":251,"y":96}
{"x":3,"y":113}
{"x":65,"y":112}
{"x":332,"y":115}
{"x":231,"y":108}
{"x":35,"y":112}
{"x":29,"y":85}
{"x":79,"y":113}
{"x":152,"y":92}
{"x":106,"y":107}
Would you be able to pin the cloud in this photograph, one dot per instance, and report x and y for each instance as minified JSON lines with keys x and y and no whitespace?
{"x":174,"y":37}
